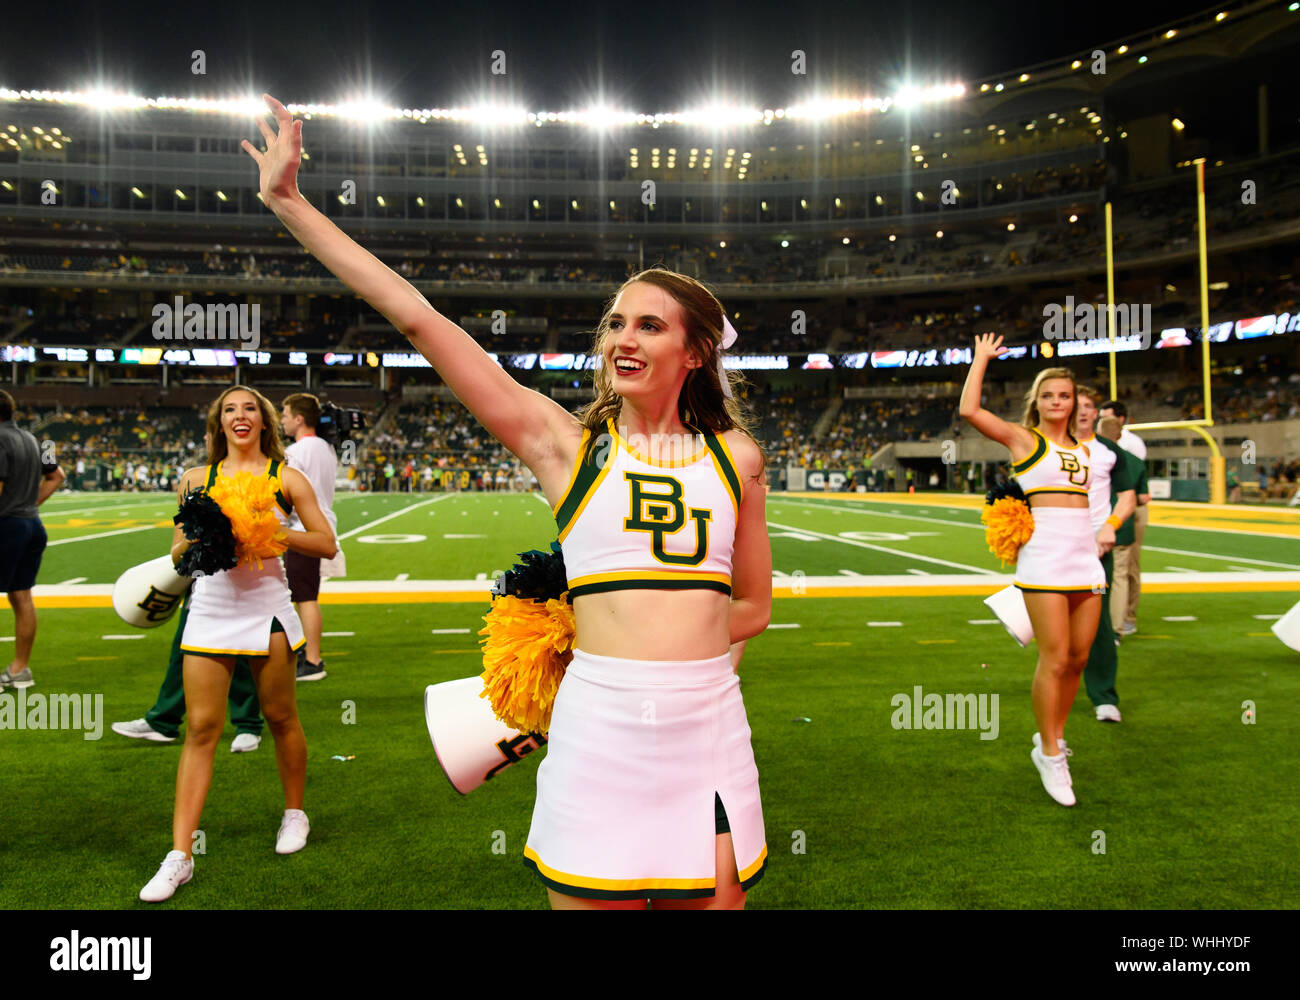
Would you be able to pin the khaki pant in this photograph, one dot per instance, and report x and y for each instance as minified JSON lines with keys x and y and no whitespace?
{"x":1127,"y":588}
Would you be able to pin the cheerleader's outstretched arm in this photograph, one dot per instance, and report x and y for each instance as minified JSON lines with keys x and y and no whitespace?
{"x":525,"y":421}
{"x":993,"y":427}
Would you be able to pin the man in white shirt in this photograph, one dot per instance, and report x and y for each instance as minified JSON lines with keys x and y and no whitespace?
{"x":314,"y":458}
{"x":1125,"y":618}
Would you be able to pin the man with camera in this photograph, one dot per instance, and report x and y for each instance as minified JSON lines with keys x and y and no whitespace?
{"x":314,"y":457}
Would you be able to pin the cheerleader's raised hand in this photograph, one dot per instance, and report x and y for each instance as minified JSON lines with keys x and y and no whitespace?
{"x":989,"y":345}
{"x":278,"y":163}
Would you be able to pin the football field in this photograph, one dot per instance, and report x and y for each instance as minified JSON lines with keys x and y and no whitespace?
{"x":1188,"y":803}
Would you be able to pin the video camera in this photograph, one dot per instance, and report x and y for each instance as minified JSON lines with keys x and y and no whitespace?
{"x":337,"y":425}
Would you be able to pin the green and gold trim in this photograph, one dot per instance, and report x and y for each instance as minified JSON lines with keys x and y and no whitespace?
{"x":1040,"y":450}
{"x":599,"y":583}
{"x":1091,"y":589}
{"x":728,"y":470}
{"x":584,"y":480}
{"x":636,"y":888}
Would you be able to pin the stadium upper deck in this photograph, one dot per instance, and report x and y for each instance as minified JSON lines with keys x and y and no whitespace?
{"x":813,"y":169}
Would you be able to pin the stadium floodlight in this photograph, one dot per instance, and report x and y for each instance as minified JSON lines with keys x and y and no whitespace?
{"x":366,"y":111}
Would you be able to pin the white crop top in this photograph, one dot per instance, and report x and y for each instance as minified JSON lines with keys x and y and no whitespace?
{"x":1053,"y":469}
{"x":629,"y":523}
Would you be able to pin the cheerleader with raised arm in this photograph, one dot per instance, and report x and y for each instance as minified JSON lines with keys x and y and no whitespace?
{"x":1058,"y":569}
{"x":649,"y":790}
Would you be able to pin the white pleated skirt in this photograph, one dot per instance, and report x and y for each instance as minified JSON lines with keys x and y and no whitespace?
{"x":1061,"y":555}
{"x":231,"y":612}
{"x":638,"y":750}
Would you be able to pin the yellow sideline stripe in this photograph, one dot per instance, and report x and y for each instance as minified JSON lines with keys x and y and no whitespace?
{"x":1171,"y":513}
{"x":975,"y":589}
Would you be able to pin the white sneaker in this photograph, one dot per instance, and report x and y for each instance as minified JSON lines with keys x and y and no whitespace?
{"x":293,"y":832}
{"x":139,"y":729}
{"x":175,"y":871}
{"x":1128,"y":628}
{"x":1108,"y":713}
{"x":1065,"y":748}
{"x":1055,"y":772}
{"x":245,"y":743}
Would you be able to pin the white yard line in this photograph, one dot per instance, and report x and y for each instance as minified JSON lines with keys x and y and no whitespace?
{"x":104,"y":534}
{"x":1145,"y":548}
{"x":880,"y":548}
{"x":50,"y":514}
{"x":389,"y":517}
{"x":1211,"y":555}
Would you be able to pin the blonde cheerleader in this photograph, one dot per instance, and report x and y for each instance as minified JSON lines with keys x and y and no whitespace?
{"x":1058,"y":569}
{"x":244,"y":610}
{"x":649,"y":790}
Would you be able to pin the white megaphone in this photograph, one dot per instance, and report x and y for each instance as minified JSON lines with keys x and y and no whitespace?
{"x":1287,"y":628}
{"x":1009,"y":606}
{"x":472,"y":744}
{"x":148,"y":595}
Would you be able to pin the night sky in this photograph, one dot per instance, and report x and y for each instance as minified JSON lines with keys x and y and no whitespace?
{"x":644,"y":56}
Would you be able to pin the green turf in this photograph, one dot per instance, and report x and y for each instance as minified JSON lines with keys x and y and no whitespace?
{"x":1198,"y":809}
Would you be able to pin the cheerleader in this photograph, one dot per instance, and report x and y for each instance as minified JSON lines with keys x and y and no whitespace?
{"x":245,"y":611}
{"x":649,"y":789}
{"x":1058,"y":570}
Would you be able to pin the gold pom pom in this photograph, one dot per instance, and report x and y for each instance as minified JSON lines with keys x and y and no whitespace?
{"x":249,"y":502}
{"x":527,"y":647}
{"x":1008,"y":524}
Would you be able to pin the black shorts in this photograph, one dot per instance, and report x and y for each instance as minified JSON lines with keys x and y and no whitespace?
{"x":304,"y":576}
{"x":22,"y":543}
{"x":720,"y":815}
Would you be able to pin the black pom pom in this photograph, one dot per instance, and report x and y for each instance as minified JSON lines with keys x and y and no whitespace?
{"x":212,"y":546}
{"x":540,"y":577}
{"x":1010,"y":488}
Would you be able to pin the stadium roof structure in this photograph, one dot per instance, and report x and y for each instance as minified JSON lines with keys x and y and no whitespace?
{"x":1213,"y":36}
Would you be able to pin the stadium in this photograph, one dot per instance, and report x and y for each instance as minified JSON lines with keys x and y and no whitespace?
{"x":859,"y":244}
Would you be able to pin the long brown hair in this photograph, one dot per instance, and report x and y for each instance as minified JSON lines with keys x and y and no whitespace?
{"x":702,"y":403}
{"x":271,"y":443}
{"x":1030,"y":418}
